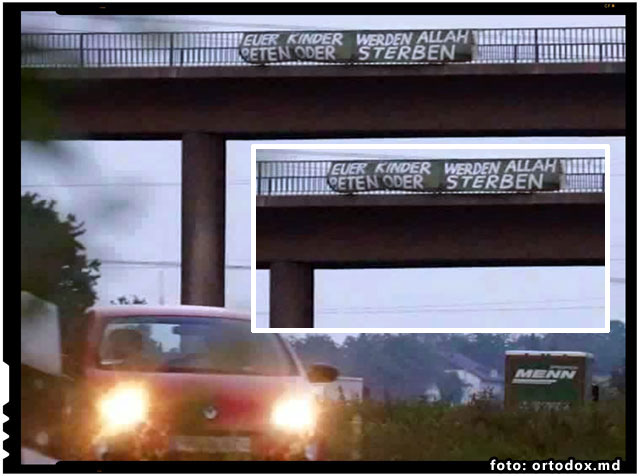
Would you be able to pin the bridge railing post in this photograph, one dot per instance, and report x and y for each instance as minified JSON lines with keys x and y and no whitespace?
{"x":535,"y":45}
{"x":171,"y":49}
{"x":259,"y":178}
{"x":81,"y":50}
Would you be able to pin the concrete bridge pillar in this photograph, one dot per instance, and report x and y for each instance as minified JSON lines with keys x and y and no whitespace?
{"x":203,"y":219}
{"x":291,"y":295}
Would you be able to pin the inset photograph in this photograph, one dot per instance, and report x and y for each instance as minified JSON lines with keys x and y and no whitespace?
{"x":431,"y":238}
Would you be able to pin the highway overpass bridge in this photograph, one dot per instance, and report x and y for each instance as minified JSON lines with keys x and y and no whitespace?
{"x":303,"y":225}
{"x":198,"y":88}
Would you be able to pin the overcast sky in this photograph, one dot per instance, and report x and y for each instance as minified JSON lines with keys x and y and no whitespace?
{"x":141,"y":221}
{"x":47,"y":21}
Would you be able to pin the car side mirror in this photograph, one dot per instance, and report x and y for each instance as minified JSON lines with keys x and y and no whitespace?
{"x":322,"y":373}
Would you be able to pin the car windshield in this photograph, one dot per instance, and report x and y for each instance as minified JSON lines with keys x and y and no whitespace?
{"x":192,"y":344}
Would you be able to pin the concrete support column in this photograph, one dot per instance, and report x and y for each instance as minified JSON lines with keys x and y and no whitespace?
{"x":203,"y":219}
{"x":291,"y":295}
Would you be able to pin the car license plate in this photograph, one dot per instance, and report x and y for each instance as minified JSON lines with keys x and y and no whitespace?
{"x":212,"y":444}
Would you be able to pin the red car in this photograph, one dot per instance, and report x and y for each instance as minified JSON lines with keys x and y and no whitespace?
{"x":191,"y":382}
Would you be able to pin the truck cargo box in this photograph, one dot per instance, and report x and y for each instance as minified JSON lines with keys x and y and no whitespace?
{"x":547,"y":379}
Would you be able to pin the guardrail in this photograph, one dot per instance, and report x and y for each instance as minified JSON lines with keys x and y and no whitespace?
{"x":310,"y":177}
{"x":193,"y":49}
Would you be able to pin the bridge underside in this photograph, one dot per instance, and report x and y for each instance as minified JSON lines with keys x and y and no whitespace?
{"x":292,"y":241}
{"x":515,"y":102}
{"x":437,"y":235}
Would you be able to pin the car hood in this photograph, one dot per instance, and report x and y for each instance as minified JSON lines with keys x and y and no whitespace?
{"x":198,"y":403}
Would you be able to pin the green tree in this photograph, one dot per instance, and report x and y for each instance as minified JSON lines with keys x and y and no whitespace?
{"x":619,"y":379}
{"x":402,"y":365}
{"x":487,"y":349}
{"x":451,"y":387}
{"x":318,"y":348}
{"x":54,"y":266}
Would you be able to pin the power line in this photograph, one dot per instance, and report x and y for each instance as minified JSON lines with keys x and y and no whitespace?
{"x":31,"y":29}
{"x":189,"y":21}
{"x":105,"y":184}
{"x":380,"y":311}
{"x":485,"y":303}
{"x":236,"y":24}
{"x":385,"y":152}
{"x":246,"y":266}
{"x":140,"y":263}
{"x":323,"y":311}
{"x":414,"y":309}
{"x":168,"y":264}
{"x":126,"y":184}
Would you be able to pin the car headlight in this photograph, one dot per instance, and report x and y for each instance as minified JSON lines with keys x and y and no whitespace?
{"x":296,"y":414}
{"x":123,"y":407}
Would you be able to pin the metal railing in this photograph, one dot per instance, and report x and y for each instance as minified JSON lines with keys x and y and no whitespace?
{"x":193,"y":49}
{"x":309,"y":177}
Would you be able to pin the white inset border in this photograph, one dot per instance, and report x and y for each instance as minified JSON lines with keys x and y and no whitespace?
{"x":402,"y":330}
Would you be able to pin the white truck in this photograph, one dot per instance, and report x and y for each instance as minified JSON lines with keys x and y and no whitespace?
{"x":548,"y":379}
{"x":42,"y":379}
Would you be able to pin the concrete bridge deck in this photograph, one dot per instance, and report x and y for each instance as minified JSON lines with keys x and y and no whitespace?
{"x":325,"y":71}
{"x":429,"y":200}
{"x":523,"y":81}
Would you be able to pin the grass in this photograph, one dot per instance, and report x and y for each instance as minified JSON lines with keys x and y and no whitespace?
{"x":417,"y":431}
